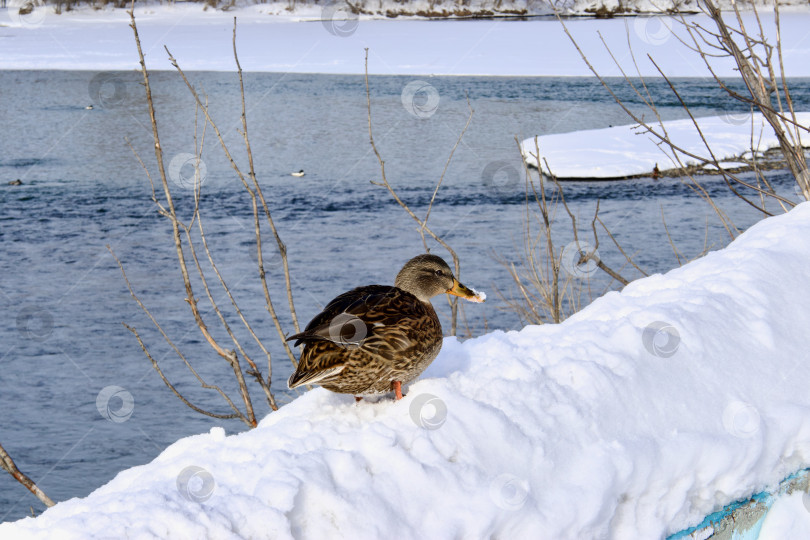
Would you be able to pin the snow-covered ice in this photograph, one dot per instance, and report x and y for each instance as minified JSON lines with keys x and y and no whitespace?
{"x":635,"y":418}
{"x":201,"y":40}
{"x":622,"y":151}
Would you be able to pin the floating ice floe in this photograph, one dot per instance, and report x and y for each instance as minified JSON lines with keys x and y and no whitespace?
{"x":630,"y":151}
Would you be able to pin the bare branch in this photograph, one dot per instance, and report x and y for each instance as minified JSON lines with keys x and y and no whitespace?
{"x":446,"y":165}
{"x":237,"y":412}
{"x":423,"y":227}
{"x":155,"y":365}
{"x":282,"y":248}
{"x":268,"y":301}
{"x":8,"y":464}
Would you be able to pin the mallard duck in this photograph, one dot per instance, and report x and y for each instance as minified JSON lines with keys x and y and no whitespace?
{"x":373,"y":339}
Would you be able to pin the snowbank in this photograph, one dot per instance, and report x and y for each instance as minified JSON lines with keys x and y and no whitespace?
{"x":635,"y":418}
{"x":324,"y":40}
{"x":624,"y":151}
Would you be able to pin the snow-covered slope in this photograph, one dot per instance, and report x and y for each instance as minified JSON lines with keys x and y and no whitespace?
{"x":622,"y":151}
{"x":635,"y":418}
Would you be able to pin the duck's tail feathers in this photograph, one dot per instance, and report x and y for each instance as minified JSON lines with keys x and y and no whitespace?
{"x":301,"y":378}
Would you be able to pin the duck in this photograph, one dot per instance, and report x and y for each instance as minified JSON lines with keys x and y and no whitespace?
{"x":298,"y":173}
{"x":16,"y":182}
{"x":373,"y":339}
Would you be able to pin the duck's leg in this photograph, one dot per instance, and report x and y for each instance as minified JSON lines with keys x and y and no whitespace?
{"x":396,"y":386}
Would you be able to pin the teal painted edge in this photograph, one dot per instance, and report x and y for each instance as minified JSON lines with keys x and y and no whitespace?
{"x":714,"y":517}
{"x":764,"y":497}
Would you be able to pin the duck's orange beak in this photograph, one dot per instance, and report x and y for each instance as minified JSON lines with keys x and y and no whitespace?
{"x":460,"y":290}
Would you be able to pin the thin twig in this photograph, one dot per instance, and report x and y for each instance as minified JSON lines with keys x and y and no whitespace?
{"x":282,"y":248}
{"x":180,"y":396}
{"x":203,"y":383}
{"x":423,"y":227}
{"x":268,"y":301}
{"x":8,"y":464}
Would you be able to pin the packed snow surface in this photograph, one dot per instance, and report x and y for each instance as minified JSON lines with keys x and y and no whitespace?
{"x":622,"y":151}
{"x":324,"y":40}
{"x":635,"y":418}
{"x":788,"y":518}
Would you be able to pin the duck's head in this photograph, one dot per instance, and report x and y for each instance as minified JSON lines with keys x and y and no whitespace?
{"x":427,"y":275}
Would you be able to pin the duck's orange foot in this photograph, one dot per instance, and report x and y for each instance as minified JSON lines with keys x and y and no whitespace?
{"x":396,"y":386}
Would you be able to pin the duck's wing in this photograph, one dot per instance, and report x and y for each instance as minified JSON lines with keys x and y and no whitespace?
{"x":376,"y":320}
{"x":351,"y":317}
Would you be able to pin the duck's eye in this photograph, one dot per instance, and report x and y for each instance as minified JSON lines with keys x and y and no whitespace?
{"x":439,"y":273}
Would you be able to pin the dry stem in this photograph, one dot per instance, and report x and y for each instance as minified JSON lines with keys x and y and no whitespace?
{"x":423,"y":226}
{"x":8,"y":464}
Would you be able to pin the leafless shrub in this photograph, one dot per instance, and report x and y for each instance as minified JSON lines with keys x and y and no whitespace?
{"x":189,"y":239}
{"x":761,"y":69}
{"x":554,"y":281}
{"x":544,"y":292}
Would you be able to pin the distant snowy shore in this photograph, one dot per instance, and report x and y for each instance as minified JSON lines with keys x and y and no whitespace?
{"x":322,"y":40}
{"x":635,"y":418}
{"x":365,"y":9}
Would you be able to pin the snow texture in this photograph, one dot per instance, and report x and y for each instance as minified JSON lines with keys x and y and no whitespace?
{"x":635,"y":418}
{"x":789,"y":517}
{"x":326,"y":40}
{"x":622,"y":151}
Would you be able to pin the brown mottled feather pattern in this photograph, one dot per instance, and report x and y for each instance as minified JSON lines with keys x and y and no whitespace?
{"x":400,"y":337}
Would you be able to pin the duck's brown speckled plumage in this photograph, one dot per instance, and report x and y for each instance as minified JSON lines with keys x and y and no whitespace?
{"x":370,"y":337}
{"x":393,"y":338}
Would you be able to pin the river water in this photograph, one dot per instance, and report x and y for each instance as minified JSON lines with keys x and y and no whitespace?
{"x":68,"y":365}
